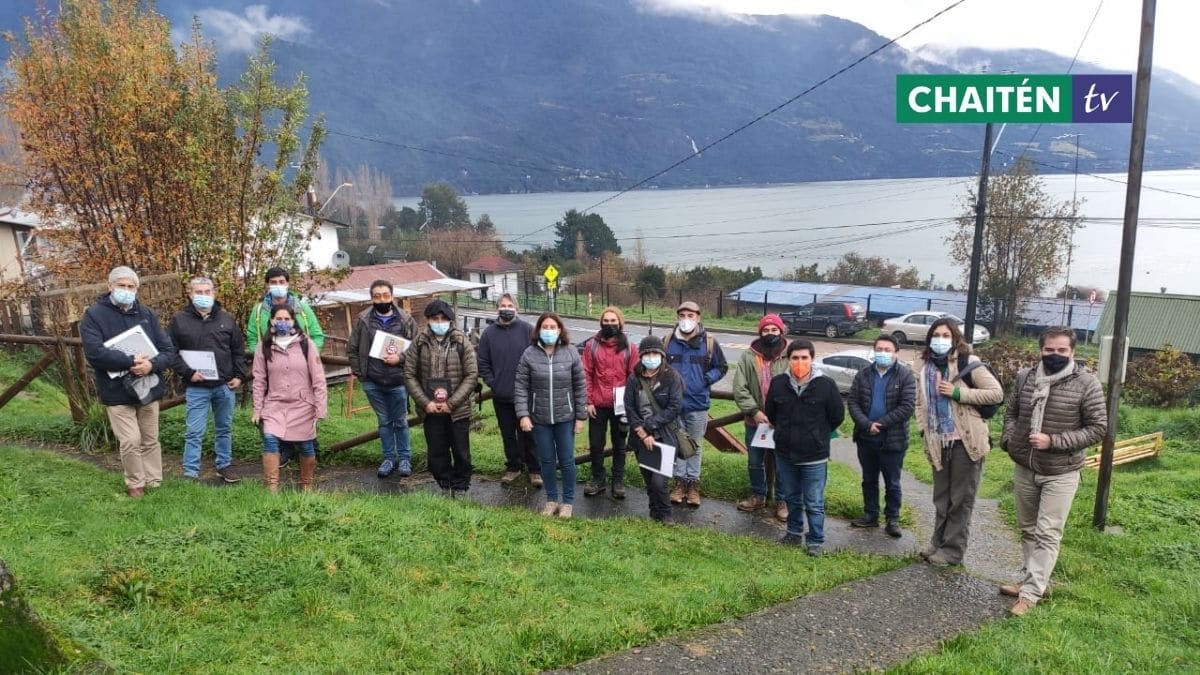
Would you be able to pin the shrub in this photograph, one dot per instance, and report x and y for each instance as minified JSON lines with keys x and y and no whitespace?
{"x":1008,"y":358}
{"x":1164,"y":378}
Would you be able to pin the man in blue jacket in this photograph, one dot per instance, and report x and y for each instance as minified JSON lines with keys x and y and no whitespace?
{"x":498,"y":354}
{"x":698,"y":359}
{"x":131,"y":399}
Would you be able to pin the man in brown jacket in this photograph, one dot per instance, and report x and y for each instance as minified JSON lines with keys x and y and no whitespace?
{"x":1055,"y":413}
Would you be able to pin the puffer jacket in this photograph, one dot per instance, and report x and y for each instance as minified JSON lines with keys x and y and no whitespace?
{"x":803,"y":423}
{"x":452,"y":357}
{"x":900,"y":401}
{"x":974,"y":430}
{"x":358,"y":348}
{"x":747,"y":392}
{"x":607,"y":368}
{"x":1075,"y":419}
{"x":104,"y":320}
{"x":667,"y":389}
{"x":550,"y":387}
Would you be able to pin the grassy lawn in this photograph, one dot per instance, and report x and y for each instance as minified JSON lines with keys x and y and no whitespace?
{"x":191,"y":576}
{"x":1126,"y":601}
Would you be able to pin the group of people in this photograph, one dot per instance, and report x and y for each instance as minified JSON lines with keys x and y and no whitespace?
{"x":651,"y":398}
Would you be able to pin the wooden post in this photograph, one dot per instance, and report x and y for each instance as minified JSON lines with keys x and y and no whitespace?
{"x":68,"y":374}
{"x":42,"y":364}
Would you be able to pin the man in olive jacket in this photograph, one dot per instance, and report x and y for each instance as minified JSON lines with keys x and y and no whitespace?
{"x":1055,"y":413}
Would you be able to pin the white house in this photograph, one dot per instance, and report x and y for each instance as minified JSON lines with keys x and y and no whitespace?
{"x":501,"y":276}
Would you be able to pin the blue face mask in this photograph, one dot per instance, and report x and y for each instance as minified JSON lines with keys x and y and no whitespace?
{"x":202,"y":301}
{"x":283,"y":327}
{"x":278,"y":291}
{"x":651,"y":361}
{"x":123,"y":296}
{"x":548,"y":337}
{"x":440,"y":328}
{"x":940,"y":345}
{"x":883,"y":359}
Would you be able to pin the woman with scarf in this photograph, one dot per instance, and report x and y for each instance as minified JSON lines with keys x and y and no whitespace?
{"x":956,"y":437}
{"x":289,"y":395}
{"x":653,"y":402}
{"x":751,"y":378}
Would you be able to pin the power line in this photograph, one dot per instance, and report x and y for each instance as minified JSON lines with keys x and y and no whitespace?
{"x":1096,"y":175}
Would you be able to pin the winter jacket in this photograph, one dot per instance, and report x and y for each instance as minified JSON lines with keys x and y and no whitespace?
{"x":606,"y":368}
{"x":804,"y":423}
{"x":358,"y":349}
{"x":289,"y":391}
{"x":901,"y":401}
{"x":667,"y":387}
{"x":550,"y":386}
{"x":216,"y":332}
{"x":1075,"y":419}
{"x":747,"y":392}
{"x":260,"y":320}
{"x":500,"y":350}
{"x":449,"y":357}
{"x":699,"y":370}
{"x":976,"y":437}
{"x":104,"y":320}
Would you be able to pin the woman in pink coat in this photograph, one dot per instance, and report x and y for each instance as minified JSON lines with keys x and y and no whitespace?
{"x":289,"y":396}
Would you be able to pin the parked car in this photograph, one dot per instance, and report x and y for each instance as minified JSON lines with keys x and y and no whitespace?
{"x":913,"y":327}
{"x":843,"y":366}
{"x":831,"y":319}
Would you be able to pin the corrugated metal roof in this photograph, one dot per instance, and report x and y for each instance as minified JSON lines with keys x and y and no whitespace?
{"x":1156,"y":319}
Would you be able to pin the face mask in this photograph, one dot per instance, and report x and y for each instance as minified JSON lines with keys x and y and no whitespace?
{"x":940,"y":345}
{"x":687,"y":325}
{"x":202,"y":301}
{"x":1054,"y":362}
{"x":278,"y":291}
{"x":609,"y":330}
{"x":771,"y":341}
{"x":548,"y":337}
{"x":651,"y":361}
{"x":883,"y":359}
{"x":507,"y":315}
{"x":801,"y":369}
{"x":283,"y":327}
{"x":123,"y":296}
{"x":383,"y":307}
{"x":439,"y":328}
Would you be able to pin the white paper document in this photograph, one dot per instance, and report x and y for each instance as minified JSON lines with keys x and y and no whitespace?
{"x":764,"y":437}
{"x":618,"y":400}
{"x":386,"y":343}
{"x":132,"y":342}
{"x":666,"y":465}
{"x":204,"y":363}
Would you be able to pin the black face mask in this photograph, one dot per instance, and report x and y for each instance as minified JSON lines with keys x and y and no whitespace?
{"x":507,"y":314}
{"x":382,"y":307}
{"x":1054,"y":362}
{"x":609,"y":330}
{"x":771,"y":341}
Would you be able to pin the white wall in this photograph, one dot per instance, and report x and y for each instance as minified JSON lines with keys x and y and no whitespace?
{"x":321,"y":250}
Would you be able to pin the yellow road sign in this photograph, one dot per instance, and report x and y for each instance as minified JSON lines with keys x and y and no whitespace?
{"x":551,"y":274}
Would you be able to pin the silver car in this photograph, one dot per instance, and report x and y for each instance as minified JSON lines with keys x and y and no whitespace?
{"x":843,"y":366}
{"x":914,"y":326}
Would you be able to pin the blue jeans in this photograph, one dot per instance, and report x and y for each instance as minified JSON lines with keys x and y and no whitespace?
{"x":805,"y":488}
{"x":556,"y":447}
{"x":694,"y":423}
{"x":271,"y":446}
{"x":199,"y":401}
{"x":756,"y":462}
{"x":874,"y":460}
{"x":391,"y":410}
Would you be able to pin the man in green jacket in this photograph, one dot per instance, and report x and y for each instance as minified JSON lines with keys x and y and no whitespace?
{"x":278,"y":294}
{"x":751,"y":378}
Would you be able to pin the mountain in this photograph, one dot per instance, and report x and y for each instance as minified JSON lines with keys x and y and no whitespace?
{"x":534,"y":95}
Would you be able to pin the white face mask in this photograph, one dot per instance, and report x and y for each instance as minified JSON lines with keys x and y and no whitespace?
{"x":939,"y":345}
{"x":687,"y":325}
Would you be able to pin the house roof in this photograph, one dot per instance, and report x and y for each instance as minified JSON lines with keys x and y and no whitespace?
{"x":1156,"y":319}
{"x":408,"y":279}
{"x":19,"y":218}
{"x":492,"y":263}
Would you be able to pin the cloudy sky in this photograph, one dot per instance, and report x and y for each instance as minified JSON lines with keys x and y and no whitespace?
{"x":1056,"y":25}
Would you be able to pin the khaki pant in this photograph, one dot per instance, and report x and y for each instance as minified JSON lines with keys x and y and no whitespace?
{"x":136,"y":429}
{"x":1043,"y":504}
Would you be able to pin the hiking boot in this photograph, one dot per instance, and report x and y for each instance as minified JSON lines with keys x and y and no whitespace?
{"x":135,"y":492}
{"x":693,"y":494}
{"x":677,"y":491}
{"x":550,"y":509}
{"x":509,"y":477}
{"x":1011,"y":590}
{"x":893,"y":529}
{"x":1021,"y":607}
{"x":229,"y":474}
{"x":792,"y":540}
{"x":618,"y":489}
{"x":386,"y":469}
{"x":864,"y":522}
{"x":564,"y":511}
{"x":752,"y":503}
{"x":781,"y":511}
{"x":927,"y":551}
{"x":938,"y":560}
{"x":593,"y":488}
{"x":535,"y":479}
{"x":815,"y":550}
{"x":405,"y":468}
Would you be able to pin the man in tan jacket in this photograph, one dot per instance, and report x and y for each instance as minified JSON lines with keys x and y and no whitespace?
{"x":1055,"y":413}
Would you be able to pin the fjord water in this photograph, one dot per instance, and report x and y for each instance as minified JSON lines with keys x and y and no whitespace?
{"x":781,"y":227}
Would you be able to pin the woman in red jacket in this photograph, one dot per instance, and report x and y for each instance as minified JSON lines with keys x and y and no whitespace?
{"x":608,"y":361}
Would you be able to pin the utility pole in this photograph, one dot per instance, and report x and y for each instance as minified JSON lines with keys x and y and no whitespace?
{"x":977,"y":245}
{"x":1133,"y":192}
{"x":1067,"y":294}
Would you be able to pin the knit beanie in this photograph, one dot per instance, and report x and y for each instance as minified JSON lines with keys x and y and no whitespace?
{"x":772,"y":320}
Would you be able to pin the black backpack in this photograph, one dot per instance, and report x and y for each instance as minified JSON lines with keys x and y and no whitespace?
{"x":965,"y":366}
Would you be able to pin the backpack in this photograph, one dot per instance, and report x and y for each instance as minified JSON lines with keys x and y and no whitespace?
{"x":965,"y":366}
{"x":709,"y":343}
{"x":596,"y":349}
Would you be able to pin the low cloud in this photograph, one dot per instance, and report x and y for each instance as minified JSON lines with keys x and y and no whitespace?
{"x":241,"y":33}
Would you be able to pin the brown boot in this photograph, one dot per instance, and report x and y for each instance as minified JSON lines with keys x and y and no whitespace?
{"x":271,"y":470}
{"x":677,"y":491}
{"x":693,"y":494}
{"x":752,"y":503}
{"x":308,"y":466}
{"x":781,"y":511}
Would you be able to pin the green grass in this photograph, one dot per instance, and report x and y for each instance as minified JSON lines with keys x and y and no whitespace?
{"x":1126,"y":601}
{"x":192,"y":576}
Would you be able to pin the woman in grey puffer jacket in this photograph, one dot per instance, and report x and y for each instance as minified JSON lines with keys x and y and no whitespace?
{"x":550,"y":398}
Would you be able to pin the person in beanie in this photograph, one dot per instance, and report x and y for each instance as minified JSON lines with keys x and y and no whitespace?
{"x":499,"y":351}
{"x":653,"y":402}
{"x":698,"y":359}
{"x":440,"y":373}
{"x":1056,"y":412}
{"x":608,"y":361}
{"x":751,"y":379}
{"x":383,"y":378}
